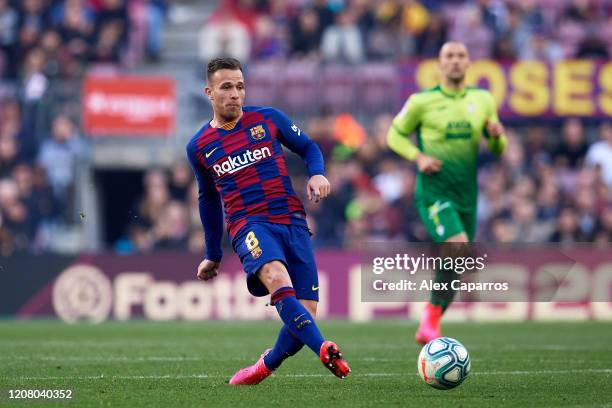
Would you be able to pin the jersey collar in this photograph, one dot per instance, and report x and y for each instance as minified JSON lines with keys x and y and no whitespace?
{"x":453,"y":94}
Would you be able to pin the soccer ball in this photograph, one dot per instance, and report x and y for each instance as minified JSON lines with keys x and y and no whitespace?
{"x":444,"y":363}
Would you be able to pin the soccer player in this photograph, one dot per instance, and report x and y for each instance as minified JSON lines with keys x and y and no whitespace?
{"x":449,"y":120}
{"x":238,"y":158}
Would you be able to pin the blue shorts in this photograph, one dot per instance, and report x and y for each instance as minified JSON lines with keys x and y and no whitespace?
{"x":259,"y":243}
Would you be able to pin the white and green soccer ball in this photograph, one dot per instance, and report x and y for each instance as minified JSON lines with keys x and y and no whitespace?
{"x":444,"y":363}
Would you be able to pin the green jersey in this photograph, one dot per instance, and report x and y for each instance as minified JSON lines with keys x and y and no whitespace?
{"x":449,"y":126}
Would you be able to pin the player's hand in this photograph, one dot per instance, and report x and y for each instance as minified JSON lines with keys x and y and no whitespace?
{"x":494,"y":129}
{"x":318,"y":188}
{"x":428,"y":164}
{"x":208,"y":269}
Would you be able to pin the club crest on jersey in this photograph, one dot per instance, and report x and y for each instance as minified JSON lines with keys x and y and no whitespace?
{"x":258,"y":132}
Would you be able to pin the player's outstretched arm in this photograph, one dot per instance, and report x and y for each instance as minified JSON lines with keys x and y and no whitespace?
{"x":211,"y":216}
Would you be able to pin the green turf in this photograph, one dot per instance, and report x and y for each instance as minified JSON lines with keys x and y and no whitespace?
{"x":143,"y":364}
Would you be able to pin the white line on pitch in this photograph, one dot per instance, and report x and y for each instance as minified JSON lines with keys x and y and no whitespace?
{"x":162,"y":343}
{"x":103,"y":359}
{"x":196,"y":376}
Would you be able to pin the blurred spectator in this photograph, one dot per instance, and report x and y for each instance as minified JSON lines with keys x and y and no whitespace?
{"x":51,"y":45}
{"x":586,"y":216}
{"x":224,"y":35}
{"x":514,"y":37}
{"x":599,"y":155}
{"x":548,"y":202}
{"x":8,"y":155}
{"x":502,"y":231}
{"x":108,"y":45}
{"x":494,"y":14}
{"x":181,"y":178}
{"x":573,"y":147}
{"x":75,"y":29}
{"x":325,"y":14}
{"x":33,"y":20}
{"x":581,"y":11}
{"x":267,"y":39}
{"x":139,"y":239}
{"x":567,"y":231}
{"x":156,"y":195}
{"x":396,"y":28}
{"x":306,"y":33}
{"x":429,"y":42}
{"x":593,"y":47}
{"x":342,"y":41}
{"x":531,"y":14}
{"x":538,"y":146}
{"x":112,"y":25}
{"x":157,"y":10}
{"x":60,"y":155}
{"x":35,"y":83}
{"x":603,"y":234}
{"x":525,"y":223}
{"x":468,"y":28}
{"x":504,"y":49}
{"x":14,"y":215}
{"x":171,"y":229}
{"x":9,"y":20}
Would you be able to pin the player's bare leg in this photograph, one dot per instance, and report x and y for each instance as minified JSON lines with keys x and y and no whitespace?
{"x":429,"y":326}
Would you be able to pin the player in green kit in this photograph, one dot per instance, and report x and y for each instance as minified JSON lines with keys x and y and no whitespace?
{"x":449,"y":121}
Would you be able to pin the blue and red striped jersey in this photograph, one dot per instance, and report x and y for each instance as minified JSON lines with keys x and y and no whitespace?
{"x":245,"y":167}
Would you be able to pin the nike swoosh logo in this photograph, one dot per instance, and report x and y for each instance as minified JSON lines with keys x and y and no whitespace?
{"x":298,"y":318}
{"x":314,"y":289}
{"x":207,"y":154}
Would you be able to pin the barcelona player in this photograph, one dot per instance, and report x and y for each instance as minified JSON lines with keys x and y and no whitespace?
{"x":238,"y":159}
{"x":449,"y":121}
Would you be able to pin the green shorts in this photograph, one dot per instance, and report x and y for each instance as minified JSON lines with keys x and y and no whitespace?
{"x":442,"y":219}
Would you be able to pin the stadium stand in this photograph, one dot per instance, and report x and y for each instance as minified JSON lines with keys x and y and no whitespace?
{"x":317,"y":60}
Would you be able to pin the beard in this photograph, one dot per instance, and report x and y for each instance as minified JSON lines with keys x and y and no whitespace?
{"x":230,"y":114}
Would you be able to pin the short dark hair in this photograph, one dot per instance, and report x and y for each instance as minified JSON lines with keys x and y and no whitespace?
{"x":216,"y":64}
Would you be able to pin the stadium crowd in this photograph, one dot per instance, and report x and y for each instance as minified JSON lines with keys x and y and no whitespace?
{"x":60,"y":38}
{"x":553,"y":184}
{"x":356,"y":30}
{"x":43,"y":44}
{"x":539,"y":192}
{"x":37,"y":179}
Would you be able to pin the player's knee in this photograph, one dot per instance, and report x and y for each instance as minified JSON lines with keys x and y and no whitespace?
{"x":456,"y":246}
{"x":311,"y":306}
{"x":274,"y":276}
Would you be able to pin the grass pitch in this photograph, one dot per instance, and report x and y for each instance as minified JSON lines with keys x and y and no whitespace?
{"x":144,"y":364}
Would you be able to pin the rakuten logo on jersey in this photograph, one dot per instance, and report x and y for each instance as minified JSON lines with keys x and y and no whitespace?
{"x":234,"y":163}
